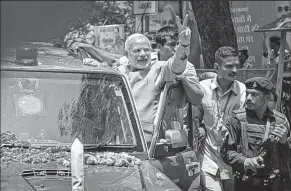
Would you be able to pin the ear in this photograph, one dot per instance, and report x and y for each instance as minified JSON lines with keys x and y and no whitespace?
{"x":216,"y":67}
{"x":126,"y":53}
{"x":269,"y":97}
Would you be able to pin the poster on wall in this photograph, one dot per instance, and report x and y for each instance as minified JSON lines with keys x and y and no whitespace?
{"x":167,"y":10}
{"x":248,"y":16}
{"x":110,"y":38}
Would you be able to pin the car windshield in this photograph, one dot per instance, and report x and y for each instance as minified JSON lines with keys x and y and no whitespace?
{"x":52,"y":109}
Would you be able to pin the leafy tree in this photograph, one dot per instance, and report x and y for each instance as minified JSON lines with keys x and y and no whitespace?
{"x":215,"y":27}
{"x":105,"y":13}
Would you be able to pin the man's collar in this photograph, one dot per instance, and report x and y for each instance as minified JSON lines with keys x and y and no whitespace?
{"x":234,"y":86}
{"x":269,"y":113}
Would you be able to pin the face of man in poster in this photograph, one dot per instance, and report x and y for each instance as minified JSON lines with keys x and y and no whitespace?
{"x":282,"y":8}
{"x":168,"y":16}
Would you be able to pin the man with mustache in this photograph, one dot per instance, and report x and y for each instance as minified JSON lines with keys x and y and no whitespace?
{"x":222,"y":94}
{"x":250,"y":129}
{"x":148,"y":78}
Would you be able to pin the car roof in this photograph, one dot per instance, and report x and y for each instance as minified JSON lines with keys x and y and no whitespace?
{"x":52,"y":59}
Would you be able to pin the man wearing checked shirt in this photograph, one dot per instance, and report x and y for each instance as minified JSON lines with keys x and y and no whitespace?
{"x":222,"y":95}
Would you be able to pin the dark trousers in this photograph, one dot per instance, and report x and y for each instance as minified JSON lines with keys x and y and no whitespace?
{"x":276,"y":184}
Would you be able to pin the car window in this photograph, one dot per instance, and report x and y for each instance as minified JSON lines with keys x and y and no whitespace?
{"x":50,"y":108}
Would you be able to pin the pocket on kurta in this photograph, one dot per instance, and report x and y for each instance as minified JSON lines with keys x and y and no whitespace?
{"x":210,"y":113}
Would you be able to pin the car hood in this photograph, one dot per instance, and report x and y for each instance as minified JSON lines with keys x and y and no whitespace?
{"x":97,"y":177}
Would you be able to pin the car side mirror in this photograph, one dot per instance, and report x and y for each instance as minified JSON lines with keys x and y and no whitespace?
{"x":175,"y":141}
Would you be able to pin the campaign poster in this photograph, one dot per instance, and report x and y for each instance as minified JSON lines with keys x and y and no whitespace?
{"x":110,"y":38}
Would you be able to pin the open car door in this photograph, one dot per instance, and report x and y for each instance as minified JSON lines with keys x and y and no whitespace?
{"x":171,"y":150}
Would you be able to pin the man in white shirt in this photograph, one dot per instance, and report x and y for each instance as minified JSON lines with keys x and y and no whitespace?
{"x":222,"y":95}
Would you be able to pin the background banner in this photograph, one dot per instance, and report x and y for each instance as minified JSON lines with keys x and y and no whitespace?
{"x":110,"y":38}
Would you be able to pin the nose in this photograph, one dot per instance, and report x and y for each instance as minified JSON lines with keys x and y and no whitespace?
{"x":234,"y":69}
{"x":142,"y":52}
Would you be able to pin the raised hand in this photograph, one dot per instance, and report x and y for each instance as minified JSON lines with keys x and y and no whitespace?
{"x":185,"y":32}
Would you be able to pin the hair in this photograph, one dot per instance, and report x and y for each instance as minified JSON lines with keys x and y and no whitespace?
{"x":225,"y":52}
{"x":275,"y":39}
{"x":243,"y":52}
{"x":152,"y":37}
{"x":164,"y":32}
{"x":173,"y":13}
{"x":132,"y":37}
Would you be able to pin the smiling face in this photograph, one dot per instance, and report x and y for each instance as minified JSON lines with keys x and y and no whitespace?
{"x":228,"y":68}
{"x":139,"y":53}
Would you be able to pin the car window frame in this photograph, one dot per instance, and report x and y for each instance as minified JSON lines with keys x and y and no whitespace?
{"x":130,"y":104}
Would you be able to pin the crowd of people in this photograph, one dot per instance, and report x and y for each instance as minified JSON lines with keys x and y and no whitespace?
{"x":244,"y":143}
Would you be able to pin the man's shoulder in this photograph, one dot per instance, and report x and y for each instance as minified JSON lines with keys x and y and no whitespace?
{"x":157,"y":64}
{"x":207,"y":82}
{"x":240,"y":110}
{"x":122,"y":68}
{"x":240,"y":85}
{"x":240,"y":114}
{"x":279,"y":116}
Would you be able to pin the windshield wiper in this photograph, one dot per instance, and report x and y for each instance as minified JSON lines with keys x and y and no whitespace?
{"x":13,"y":146}
{"x":94,"y":146}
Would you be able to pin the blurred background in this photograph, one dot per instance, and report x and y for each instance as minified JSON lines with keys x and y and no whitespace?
{"x":34,"y":20}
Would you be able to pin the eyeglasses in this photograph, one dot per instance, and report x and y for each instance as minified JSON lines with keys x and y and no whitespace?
{"x":138,"y":51}
{"x":286,"y":8}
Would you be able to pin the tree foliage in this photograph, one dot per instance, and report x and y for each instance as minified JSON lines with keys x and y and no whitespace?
{"x":105,"y":13}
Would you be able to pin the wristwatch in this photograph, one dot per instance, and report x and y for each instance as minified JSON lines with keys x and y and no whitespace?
{"x":185,"y":46}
